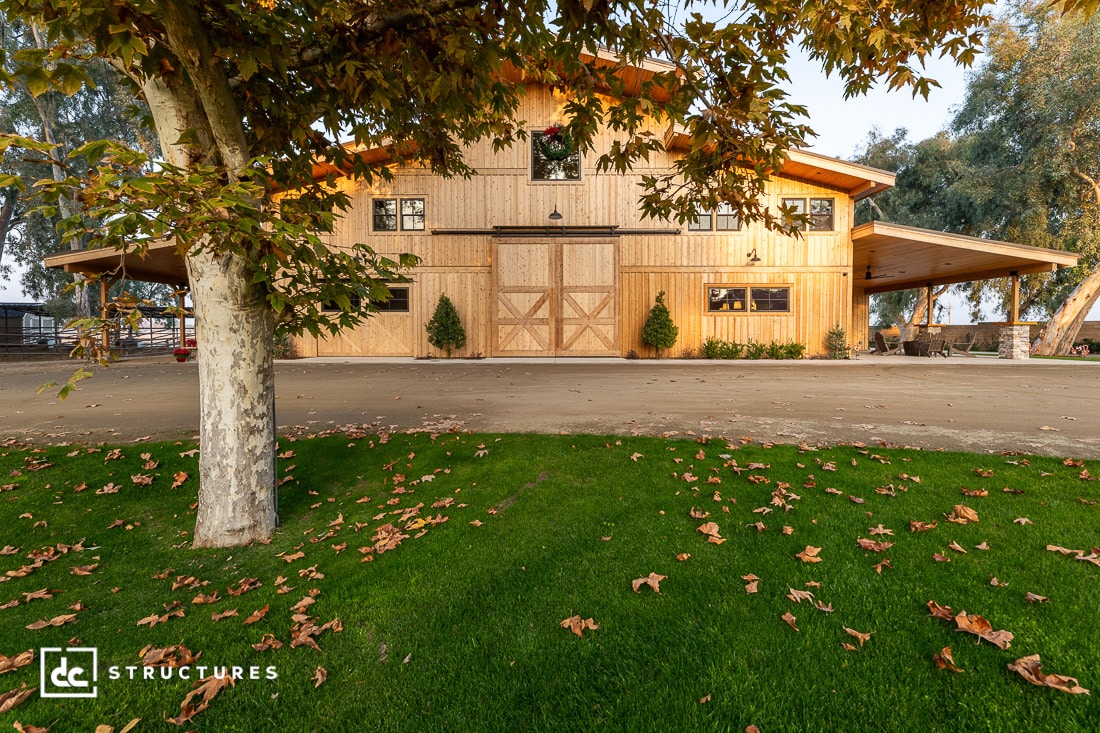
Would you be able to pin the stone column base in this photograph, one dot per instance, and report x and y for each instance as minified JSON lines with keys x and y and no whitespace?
{"x":1015,"y":343}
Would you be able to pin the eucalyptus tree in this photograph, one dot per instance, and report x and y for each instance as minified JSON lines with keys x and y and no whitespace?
{"x":67,"y":116}
{"x":1029,"y":132}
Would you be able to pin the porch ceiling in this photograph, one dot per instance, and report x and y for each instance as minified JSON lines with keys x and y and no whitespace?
{"x":901,"y":257}
{"x":161,"y":263}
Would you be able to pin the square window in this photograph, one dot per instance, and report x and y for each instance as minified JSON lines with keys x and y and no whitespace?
{"x":821,"y":215}
{"x":771,"y":300}
{"x":398,"y":302}
{"x":725,"y":219}
{"x":701,"y":222}
{"x":412,"y":214}
{"x":796,"y":207}
{"x":726,"y":300}
{"x":331,"y":306}
{"x":384,"y":218}
{"x":554,"y":158}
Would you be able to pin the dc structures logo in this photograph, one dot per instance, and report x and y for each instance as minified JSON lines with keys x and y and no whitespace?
{"x":69,"y":672}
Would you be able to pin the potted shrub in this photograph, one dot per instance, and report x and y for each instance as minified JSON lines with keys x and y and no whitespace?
{"x":181,"y":354}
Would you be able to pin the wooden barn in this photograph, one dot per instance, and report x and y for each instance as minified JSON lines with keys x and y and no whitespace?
{"x":544,"y":256}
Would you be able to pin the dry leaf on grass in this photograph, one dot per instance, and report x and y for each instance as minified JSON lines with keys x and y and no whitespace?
{"x":799,"y":595}
{"x":55,"y":621}
{"x":884,"y":564}
{"x":256,"y":615}
{"x":710,"y":529}
{"x":962,"y":514}
{"x":28,"y":728}
{"x":223,"y":614}
{"x":208,"y":688}
{"x":10,"y":664}
{"x":1022,"y":520}
{"x":873,"y":546}
{"x":809,"y":554}
{"x":577,"y":625}
{"x":1035,"y":598}
{"x":915,"y":526}
{"x":790,"y":619}
{"x":170,"y":656}
{"x":858,"y":635}
{"x":751,"y":587}
{"x":944,"y":660}
{"x":16,"y":697}
{"x":880,"y":530}
{"x":939,"y":611}
{"x":653,"y":580}
{"x":319,"y":675}
{"x":1031,"y":669}
{"x":980,"y":627}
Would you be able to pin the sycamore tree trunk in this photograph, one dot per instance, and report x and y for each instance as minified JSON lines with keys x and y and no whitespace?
{"x":235,"y":330}
{"x":1058,"y":337}
{"x":1061,"y":331}
{"x":234,"y":325}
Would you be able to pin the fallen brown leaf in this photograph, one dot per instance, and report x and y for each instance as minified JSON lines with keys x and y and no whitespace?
{"x":653,"y":580}
{"x":1031,"y":669}
{"x":256,"y":615}
{"x":980,"y":627}
{"x":790,"y":619}
{"x":223,"y":614}
{"x":15,"y":698}
{"x":10,"y":664}
{"x":55,"y":621}
{"x":577,"y":625}
{"x":809,"y":554}
{"x":1035,"y":598}
{"x":319,"y":676}
{"x":208,"y":688}
{"x":858,"y":635}
{"x":962,"y":514}
{"x":944,"y":660}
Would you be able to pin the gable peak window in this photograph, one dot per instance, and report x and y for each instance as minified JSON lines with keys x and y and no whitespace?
{"x":554,"y":156}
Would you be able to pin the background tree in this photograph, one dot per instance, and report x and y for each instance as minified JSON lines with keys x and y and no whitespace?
{"x":445,"y":329}
{"x":108,"y":110}
{"x":659,"y":331}
{"x":247,"y":97}
{"x":1030,"y":131}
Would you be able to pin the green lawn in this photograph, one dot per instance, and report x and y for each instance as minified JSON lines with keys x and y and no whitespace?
{"x":458,"y":629}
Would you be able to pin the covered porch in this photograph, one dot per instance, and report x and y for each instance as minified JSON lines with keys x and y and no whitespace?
{"x":890,"y":257}
{"x":159,"y":263}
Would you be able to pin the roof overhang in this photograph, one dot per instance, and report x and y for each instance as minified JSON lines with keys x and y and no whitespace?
{"x":160,"y":263}
{"x":858,"y":181}
{"x":901,"y":257}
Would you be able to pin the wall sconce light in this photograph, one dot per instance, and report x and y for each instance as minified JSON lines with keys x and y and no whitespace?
{"x":753,"y":259}
{"x":555,"y":215}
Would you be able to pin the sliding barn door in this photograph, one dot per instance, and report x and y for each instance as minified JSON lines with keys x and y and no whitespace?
{"x":555,"y":298}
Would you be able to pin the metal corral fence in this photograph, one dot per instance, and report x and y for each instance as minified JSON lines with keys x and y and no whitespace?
{"x":26,"y":331}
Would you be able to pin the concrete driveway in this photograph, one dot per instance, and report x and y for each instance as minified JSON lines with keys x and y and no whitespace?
{"x":1039,"y":406}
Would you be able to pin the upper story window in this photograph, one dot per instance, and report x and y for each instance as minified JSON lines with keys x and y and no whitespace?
{"x":388,"y":214}
{"x":554,"y":157}
{"x":722,"y":219}
{"x":821,"y":211}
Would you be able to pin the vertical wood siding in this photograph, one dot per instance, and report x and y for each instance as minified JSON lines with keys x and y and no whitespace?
{"x":817,"y":266}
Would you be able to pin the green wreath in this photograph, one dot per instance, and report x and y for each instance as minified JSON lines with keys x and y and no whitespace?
{"x":555,"y":143}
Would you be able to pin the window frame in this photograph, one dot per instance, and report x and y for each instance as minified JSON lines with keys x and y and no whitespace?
{"x":399,"y":215}
{"x":534,"y":136}
{"x":748,"y":310}
{"x":712,"y":216}
{"x":328,"y":306}
{"x":832,"y":214}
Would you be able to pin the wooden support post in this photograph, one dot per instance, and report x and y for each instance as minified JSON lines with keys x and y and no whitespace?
{"x":105,"y":336}
{"x":183,"y":319}
{"x":931,"y":307}
{"x":1014,"y":303}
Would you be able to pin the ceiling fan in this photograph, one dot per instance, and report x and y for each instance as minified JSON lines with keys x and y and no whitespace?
{"x":869,"y":276}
